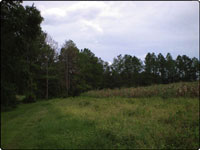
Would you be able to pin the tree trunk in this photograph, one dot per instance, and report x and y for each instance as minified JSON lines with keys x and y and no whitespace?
{"x":47,"y":82}
{"x":66,"y":73}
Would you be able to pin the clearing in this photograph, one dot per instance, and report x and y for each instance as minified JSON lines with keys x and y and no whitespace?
{"x":86,"y":122}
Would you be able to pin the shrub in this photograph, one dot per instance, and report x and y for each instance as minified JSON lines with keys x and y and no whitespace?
{"x":182,"y":89}
{"x":30,"y":98}
{"x":8,"y":98}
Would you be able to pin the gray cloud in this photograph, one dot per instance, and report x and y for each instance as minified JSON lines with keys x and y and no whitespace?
{"x":71,"y":17}
{"x":113,"y":28}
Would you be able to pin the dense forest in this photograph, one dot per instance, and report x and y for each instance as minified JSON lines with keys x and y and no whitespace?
{"x":32,"y":66}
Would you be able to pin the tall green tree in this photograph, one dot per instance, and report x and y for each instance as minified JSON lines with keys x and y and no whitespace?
{"x":91,"y":70}
{"x":107,"y":76}
{"x":151,"y":69}
{"x":132,"y":66}
{"x":151,"y":65}
{"x":117,"y":69}
{"x":17,"y":58}
{"x":187,"y":68}
{"x":162,"y":67}
{"x":194,"y":70}
{"x":137,"y":68}
{"x":170,"y":68}
{"x":179,"y":68}
{"x":69,"y":62}
{"x":45,"y":69}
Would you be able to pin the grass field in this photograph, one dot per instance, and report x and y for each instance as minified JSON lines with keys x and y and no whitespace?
{"x":87,"y":122}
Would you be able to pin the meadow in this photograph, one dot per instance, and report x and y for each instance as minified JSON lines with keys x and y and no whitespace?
{"x":102,"y":122}
{"x":181,"y":89}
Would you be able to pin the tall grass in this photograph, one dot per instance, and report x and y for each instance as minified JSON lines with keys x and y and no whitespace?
{"x":182,"y":89}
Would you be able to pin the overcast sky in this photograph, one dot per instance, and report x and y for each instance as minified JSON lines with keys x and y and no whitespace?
{"x":110,"y":28}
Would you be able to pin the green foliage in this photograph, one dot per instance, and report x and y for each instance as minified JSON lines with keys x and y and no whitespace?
{"x":8,"y":98}
{"x":91,"y":71}
{"x":68,"y":61}
{"x":151,"y":64}
{"x":18,"y":50}
{"x":29,"y":98}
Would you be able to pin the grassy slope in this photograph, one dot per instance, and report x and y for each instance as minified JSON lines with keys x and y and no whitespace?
{"x":181,"y":89}
{"x":85,"y":122}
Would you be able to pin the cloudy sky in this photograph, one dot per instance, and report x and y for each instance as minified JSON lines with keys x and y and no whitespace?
{"x":110,"y":28}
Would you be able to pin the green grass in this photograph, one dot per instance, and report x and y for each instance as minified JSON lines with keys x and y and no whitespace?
{"x":86,"y":122}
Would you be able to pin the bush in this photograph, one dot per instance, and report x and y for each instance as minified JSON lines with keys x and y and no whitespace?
{"x":8,"y":98}
{"x":30,"y":98}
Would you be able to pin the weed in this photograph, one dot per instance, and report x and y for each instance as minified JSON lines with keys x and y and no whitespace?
{"x":186,"y":89}
{"x":84,"y":103}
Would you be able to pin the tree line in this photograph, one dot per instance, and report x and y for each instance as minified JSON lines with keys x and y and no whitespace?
{"x":32,"y":66}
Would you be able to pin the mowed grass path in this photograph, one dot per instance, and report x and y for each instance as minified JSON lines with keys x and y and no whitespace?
{"x":85,"y":122}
